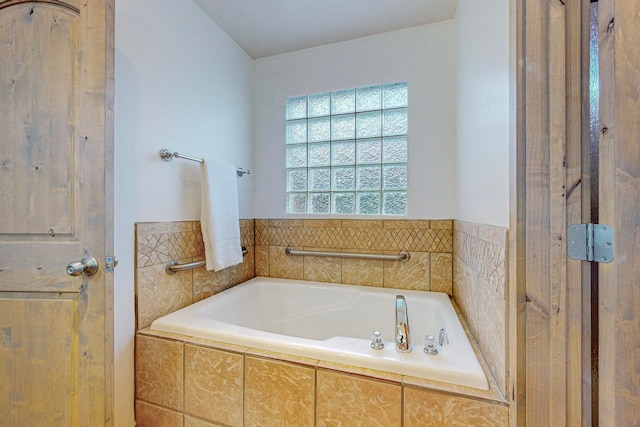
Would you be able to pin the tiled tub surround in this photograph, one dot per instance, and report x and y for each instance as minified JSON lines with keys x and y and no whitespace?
{"x":430,"y":243}
{"x":186,"y":382}
{"x":158,"y":243}
{"x":169,"y":370}
{"x":480,"y":290}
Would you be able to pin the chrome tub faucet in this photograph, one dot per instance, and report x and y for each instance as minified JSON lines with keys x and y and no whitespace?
{"x":403,"y":340}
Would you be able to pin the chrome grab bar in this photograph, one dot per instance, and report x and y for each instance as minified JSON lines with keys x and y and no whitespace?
{"x":402,"y":256}
{"x":173,"y":267}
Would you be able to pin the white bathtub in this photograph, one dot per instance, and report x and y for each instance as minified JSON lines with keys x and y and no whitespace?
{"x":333,"y":323}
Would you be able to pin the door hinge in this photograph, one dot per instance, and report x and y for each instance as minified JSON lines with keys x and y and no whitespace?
{"x":590,"y":242}
{"x":111,"y":262}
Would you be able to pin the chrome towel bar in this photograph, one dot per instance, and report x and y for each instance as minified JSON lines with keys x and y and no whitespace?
{"x":173,"y":267}
{"x":167,"y":156}
{"x":403,"y":256}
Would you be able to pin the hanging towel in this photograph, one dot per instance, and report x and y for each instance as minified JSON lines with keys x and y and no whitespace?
{"x":219,"y":215}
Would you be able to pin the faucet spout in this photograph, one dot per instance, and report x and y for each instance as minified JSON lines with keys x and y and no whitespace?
{"x":403,"y":340}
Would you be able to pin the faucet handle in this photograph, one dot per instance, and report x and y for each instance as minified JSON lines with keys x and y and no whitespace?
{"x":444,"y":337}
{"x":376,"y":341}
{"x":430,"y":347}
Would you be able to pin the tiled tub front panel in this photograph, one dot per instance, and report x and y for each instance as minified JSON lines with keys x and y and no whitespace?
{"x":158,"y":243}
{"x":198,"y":384}
{"x":480,"y":290}
{"x":430,"y":243}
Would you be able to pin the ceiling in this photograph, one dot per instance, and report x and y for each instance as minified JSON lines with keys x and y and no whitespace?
{"x":271,"y":27}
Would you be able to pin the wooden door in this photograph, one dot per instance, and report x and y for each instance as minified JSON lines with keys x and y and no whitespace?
{"x":552,"y":305}
{"x":56,"y":139}
{"x":619,"y":282}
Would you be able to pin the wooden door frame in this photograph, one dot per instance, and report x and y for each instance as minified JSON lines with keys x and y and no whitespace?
{"x":550,"y":306}
{"x":619,"y":293}
{"x":550,"y":354}
{"x":109,"y":204}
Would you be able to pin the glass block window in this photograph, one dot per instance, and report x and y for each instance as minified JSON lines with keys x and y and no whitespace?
{"x":346,"y":151}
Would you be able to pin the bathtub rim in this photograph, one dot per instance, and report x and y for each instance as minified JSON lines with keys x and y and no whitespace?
{"x":493,"y":393}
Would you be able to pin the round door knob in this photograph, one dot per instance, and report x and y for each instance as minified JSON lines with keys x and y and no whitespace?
{"x":88,"y":265}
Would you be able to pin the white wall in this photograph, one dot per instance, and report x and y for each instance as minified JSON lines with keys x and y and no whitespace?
{"x":482,"y":75}
{"x":423,"y":56}
{"x":181,"y":84}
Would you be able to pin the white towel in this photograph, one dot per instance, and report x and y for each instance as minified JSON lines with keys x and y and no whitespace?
{"x":219,"y":215}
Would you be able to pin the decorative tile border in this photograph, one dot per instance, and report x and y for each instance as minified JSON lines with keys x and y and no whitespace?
{"x":382,"y":235}
{"x":486,"y":258}
{"x":161,"y":242}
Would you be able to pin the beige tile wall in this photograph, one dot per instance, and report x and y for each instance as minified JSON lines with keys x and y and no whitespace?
{"x":430,"y":243}
{"x":150,"y":415}
{"x":213,"y":384}
{"x":424,"y":408}
{"x":479,"y":288}
{"x":158,"y":243}
{"x":344,"y":399}
{"x":278,"y":393}
{"x":159,"y":366}
{"x":239,"y":386}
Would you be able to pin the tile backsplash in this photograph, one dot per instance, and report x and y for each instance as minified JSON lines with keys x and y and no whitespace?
{"x":480,"y":289}
{"x":430,"y":243}
{"x":158,"y":243}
